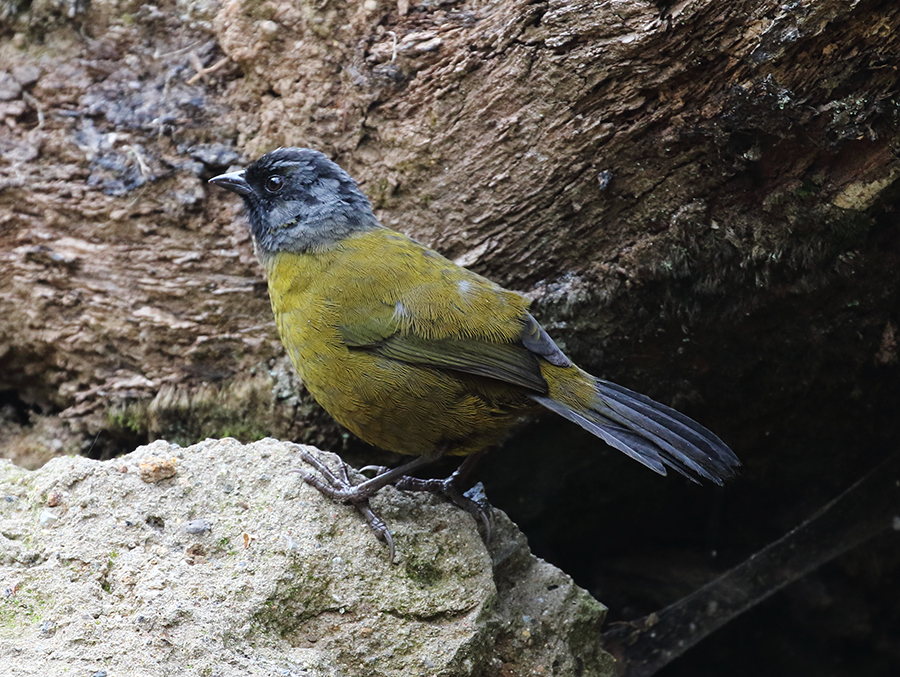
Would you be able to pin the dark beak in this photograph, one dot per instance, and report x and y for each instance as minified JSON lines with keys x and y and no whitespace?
{"x":235,"y":182}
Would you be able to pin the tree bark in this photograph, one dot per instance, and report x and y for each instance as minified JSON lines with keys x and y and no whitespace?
{"x":718,"y":156}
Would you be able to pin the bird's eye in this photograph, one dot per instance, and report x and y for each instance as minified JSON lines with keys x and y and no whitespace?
{"x":274,"y":183}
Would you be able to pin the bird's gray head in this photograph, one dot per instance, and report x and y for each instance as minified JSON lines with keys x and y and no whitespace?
{"x":299,"y":200}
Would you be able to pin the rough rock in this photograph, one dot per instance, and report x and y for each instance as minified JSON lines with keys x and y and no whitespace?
{"x":215,"y":560}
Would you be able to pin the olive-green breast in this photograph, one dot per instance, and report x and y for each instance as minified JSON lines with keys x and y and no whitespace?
{"x":381,"y":291}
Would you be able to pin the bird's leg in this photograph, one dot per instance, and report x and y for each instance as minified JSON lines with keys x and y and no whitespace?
{"x":358,"y":495}
{"x":451,"y":488}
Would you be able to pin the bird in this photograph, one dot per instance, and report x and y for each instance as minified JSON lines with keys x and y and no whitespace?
{"x":419,"y":356}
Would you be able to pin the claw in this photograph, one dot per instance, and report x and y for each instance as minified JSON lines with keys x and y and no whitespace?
{"x":376,"y":469}
{"x":378,"y":525}
{"x":480,"y":500}
{"x":449,"y":489}
{"x":342,"y":489}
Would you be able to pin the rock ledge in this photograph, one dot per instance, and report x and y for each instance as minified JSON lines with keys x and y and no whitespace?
{"x":214,"y":560}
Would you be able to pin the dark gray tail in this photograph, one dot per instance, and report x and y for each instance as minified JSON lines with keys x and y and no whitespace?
{"x":651,"y":433}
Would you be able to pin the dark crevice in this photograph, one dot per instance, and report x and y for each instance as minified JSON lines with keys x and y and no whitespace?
{"x":13,"y":409}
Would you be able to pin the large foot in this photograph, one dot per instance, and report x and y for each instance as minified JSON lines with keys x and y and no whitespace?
{"x":473,"y":501}
{"x":450,"y":489}
{"x":343,"y":490}
{"x":340,"y":488}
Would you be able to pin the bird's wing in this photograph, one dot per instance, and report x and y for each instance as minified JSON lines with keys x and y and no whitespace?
{"x":508,"y":362}
{"x":412,"y":305}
